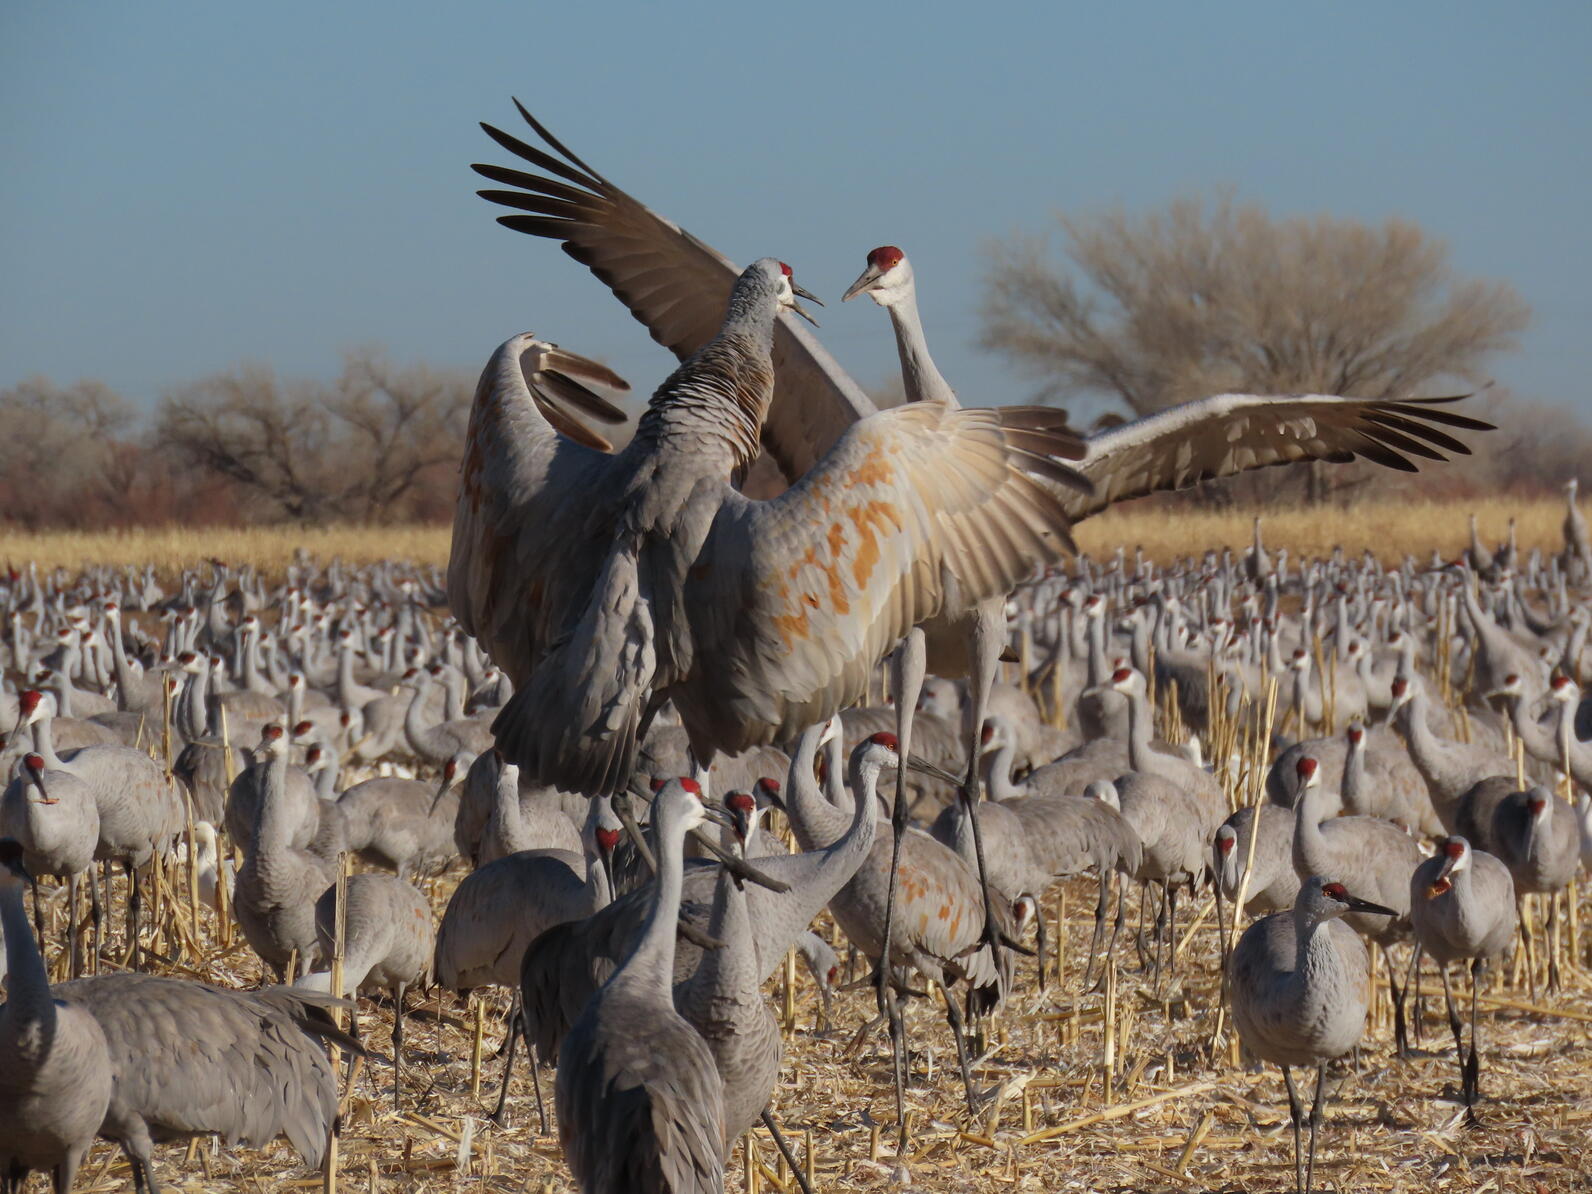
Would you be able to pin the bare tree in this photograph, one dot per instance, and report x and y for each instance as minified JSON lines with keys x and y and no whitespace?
{"x":68,"y":458}
{"x":377,"y":445}
{"x":1185,"y":302}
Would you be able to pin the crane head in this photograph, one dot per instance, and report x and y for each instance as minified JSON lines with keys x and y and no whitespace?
{"x":788,"y":292}
{"x":887,"y":278}
{"x":1455,"y":853}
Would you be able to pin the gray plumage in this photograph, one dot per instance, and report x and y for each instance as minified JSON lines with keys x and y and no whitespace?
{"x":1462,"y":905}
{"x":55,"y":1082}
{"x":277,"y":885}
{"x":1273,"y":882}
{"x":1535,"y":835}
{"x":923,"y":499}
{"x":640,"y":1108}
{"x":1298,"y":985}
{"x":191,"y":1059}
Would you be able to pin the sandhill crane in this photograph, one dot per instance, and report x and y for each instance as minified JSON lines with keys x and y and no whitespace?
{"x":387,"y":945}
{"x":56,"y":1080}
{"x":511,"y":827}
{"x":278,"y":884}
{"x":140,"y":811}
{"x":58,"y":834}
{"x":189,"y":1059}
{"x":938,"y":914}
{"x":503,"y":906}
{"x":1462,"y":906}
{"x":1200,"y":786}
{"x":1376,"y":856}
{"x":724,"y":1002}
{"x":640,"y":1103}
{"x":1273,"y":884}
{"x":1536,"y":835}
{"x":1449,"y":768}
{"x":1173,"y":846}
{"x":404,"y":824}
{"x":301,"y":806}
{"x":568,"y":963}
{"x":437,"y":742}
{"x":920,"y":497}
{"x":1035,"y":839}
{"x":1298,"y":990}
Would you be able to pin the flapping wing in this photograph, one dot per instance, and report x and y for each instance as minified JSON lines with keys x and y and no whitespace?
{"x":525,"y":427}
{"x":1232,"y":433}
{"x":674,"y":284}
{"x":918,"y":511}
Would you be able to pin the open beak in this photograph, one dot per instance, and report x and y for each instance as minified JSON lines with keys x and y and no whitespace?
{"x":866,"y":279}
{"x":798,"y":309}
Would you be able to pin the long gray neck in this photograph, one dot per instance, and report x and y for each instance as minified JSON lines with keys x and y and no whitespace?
{"x":651,"y":964}
{"x":998,"y":773}
{"x":920,"y":378}
{"x":816,"y":822}
{"x":1313,"y":953}
{"x":1309,"y":848}
{"x":27,"y":1019}
{"x":44,"y":743}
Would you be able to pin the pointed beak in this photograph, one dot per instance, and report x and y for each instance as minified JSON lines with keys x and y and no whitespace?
{"x":798,"y":309}
{"x":924,"y":767}
{"x":864,"y":280}
{"x":1356,"y":904}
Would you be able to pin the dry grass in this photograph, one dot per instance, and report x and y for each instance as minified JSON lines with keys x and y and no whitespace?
{"x":1165,"y":532}
{"x":1391,"y":1126}
{"x":1178,"y":1112}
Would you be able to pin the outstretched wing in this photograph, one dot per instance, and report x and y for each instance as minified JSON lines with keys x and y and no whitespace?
{"x":1232,"y":433}
{"x":919,"y":510}
{"x":526,"y":451}
{"x":674,"y":284}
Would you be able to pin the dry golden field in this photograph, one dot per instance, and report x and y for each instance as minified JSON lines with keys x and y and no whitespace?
{"x":1390,"y":529}
{"x":1175,"y":1113}
{"x":1174,"y":1110}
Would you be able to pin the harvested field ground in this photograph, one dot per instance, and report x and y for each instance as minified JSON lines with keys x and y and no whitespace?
{"x":1171,"y":1118}
{"x":1389,"y":529}
{"x":1172,"y":1109}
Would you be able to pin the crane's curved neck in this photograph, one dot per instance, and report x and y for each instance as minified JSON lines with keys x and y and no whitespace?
{"x":816,"y":822}
{"x":27,"y":1019}
{"x":998,"y":773}
{"x":44,"y":743}
{"x":920,"y":378}
{"x":651,"y":964}
{"x":1313,"y":952}
{"x":1309,"y":846}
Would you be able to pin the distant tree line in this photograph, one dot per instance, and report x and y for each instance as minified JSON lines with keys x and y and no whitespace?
{"x":1142,"y":312}
{"x":379,"y":444}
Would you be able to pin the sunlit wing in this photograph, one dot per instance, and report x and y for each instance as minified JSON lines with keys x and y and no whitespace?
{"x":526,"y":451}
{"x":674,"y":284}
{"x":917,"y":506}
{"x":1232,"y":433}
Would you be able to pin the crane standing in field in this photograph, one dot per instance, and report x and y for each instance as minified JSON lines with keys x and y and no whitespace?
{"x":1462,"y":905}
{"x":1299,"y":994}
{"x":640,"y":1103}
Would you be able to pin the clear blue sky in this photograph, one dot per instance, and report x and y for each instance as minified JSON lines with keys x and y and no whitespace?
{"x":187,"y":185}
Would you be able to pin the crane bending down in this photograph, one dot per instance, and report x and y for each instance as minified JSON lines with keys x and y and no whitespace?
{"x":606,"y":584}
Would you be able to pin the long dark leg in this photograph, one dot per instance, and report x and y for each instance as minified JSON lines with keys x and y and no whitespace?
{"x":135,"y":907}
{"x":785,"y":1150}
{"x":535,"y":1064}
{"x":1099,"y":925}
{"x":1471,"y":1073}
{"x":1039,"y":933}
{"x":95,"y":915}
{"x":38,"y":918}
{"x":907,"y":668}
{"x":1297,"y":1114}
{"x":1401,"y":1036}
{"x":1453,"y":1021}
{"x":515,"y":1021}
{"x":1171,"y":934}
{"x":954,"y":1015}
{"x":989,"y":639}
{"x":72,"y":942}
{"x":1316,"y":1111}
{"x":397,"y":1041}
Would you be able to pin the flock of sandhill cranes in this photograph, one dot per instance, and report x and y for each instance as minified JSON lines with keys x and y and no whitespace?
{"x":636,"y":639}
